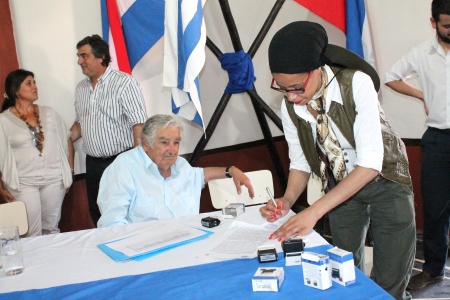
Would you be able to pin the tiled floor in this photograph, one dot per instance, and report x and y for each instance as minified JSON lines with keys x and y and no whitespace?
{"x":440,"y":290}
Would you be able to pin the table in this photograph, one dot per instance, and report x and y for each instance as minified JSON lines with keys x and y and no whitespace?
{"x":70,"y":266}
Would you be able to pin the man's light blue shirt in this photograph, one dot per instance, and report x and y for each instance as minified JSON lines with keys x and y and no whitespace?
{"x":133,"y":190}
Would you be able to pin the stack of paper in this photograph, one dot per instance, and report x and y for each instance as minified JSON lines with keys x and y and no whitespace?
{"x":147,"y":244}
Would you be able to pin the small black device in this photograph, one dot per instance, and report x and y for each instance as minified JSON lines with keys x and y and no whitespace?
{"x":267,"y":254}
{"x":292,"y":245}
{"x":210,"y":222}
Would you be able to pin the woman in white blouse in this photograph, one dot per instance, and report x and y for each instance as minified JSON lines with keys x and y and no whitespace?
{"x":34,"y":154}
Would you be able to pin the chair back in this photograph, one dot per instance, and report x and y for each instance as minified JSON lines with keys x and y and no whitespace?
{"x":223,"y":191}
{"x":14,"y":213}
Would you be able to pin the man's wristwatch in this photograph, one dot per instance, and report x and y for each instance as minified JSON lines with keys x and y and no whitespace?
{"x":227,"y":171}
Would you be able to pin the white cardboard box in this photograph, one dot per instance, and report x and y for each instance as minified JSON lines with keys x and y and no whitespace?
{"x":293,"y":259}
{"x":342,"y":266}
{"x":316,"y":270}
{"x":268,"y":279}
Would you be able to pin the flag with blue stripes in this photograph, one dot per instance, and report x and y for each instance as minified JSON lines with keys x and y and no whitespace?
{"x":184,"y":56}
{"x":133,"y":27}
{"x":350,"y":17}
{"x":359,"y":39}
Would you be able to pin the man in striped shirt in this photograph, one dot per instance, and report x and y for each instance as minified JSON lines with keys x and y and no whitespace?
{"x":110,"y":111}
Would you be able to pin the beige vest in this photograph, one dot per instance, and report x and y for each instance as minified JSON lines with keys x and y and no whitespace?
{"x":395,"y":160}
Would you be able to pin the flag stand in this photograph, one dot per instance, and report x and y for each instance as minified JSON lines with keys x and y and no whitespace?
{"x":259,"y":105}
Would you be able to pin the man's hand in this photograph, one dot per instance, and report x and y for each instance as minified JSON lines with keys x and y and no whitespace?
{"x":240,"y":179}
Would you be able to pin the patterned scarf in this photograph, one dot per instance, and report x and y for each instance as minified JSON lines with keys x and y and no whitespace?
{"x":327,"y":145}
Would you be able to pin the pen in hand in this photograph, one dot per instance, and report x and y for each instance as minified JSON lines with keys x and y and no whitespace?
{"x":271,"y":197}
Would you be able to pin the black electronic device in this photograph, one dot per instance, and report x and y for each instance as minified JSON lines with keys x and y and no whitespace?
{"x":210,"y":222}
{"x":267,"y":254}
{"x":293,"y":245}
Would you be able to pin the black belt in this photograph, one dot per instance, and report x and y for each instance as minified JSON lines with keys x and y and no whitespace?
{"x":106,"y":158}
{"x":447,"y":130}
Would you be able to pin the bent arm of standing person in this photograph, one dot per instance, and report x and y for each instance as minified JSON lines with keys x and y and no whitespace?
{"x":297,"y":182}
{"x":71,"y":159}
{"x":137,"y":134}
{"x":304,"y":221}
{"x":238,"y":176}
{"x":5,"y":195}
{"x":407,"y":89}
{"x":75,"y":131}
{"x":71,"y":155}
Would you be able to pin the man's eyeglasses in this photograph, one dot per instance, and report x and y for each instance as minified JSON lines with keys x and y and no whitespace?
{"x":294,"y":91}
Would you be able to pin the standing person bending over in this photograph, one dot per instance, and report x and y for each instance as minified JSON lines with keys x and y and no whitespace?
{"x":109,"y":110}
{"x":431,"y":62}
{"x":34,"y":154}
{"x":153,"y":182}
{"x":335,"y":129}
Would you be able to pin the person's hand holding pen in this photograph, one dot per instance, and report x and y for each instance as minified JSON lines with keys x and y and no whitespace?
{"x":274,"y":209}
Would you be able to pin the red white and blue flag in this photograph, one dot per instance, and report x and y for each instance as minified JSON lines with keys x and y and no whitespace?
{"x":350,"y":17}
{"x":133,"y":27}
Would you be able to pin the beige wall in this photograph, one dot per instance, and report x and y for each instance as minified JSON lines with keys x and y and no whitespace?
{"x":46,"y":32}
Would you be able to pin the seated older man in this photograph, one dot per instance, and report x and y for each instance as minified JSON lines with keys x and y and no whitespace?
{"x":152,"y":182}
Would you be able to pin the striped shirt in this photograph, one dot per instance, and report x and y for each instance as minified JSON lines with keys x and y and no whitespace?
{"x":108,"y":113}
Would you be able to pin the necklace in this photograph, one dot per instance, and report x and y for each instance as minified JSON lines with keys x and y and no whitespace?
{"x":37,"y":135}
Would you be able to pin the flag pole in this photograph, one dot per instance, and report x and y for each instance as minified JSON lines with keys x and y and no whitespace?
{"x":260,"y":107}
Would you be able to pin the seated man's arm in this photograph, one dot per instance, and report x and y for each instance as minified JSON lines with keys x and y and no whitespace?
{"x":238,"y":176}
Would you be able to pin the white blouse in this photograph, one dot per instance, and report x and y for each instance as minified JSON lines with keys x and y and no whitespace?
{"x":20,"y":161}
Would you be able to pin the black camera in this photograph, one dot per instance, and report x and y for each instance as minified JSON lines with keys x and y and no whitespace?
{"x":210,"y":222}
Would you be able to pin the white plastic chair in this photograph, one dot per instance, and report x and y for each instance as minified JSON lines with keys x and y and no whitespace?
{"x":223,"y":191}
{"x":14,"y":213}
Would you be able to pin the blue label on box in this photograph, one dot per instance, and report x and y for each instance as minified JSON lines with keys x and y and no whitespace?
{"x":340,"y":258}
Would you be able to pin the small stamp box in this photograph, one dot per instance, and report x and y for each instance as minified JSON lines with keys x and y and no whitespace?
{"x":316,"y":270}
{"x":342,"y":266}
{"x":234,"y":209}
{"x":268,"y":279}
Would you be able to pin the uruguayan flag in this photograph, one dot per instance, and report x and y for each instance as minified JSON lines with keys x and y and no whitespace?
{"x":358,"y":34}
{"x":184,"y":56}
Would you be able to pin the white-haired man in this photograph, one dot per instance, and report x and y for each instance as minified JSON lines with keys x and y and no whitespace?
{"x":153,"y":182}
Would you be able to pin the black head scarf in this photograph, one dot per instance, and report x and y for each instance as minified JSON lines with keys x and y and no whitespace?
{"x":297,"y":48}
{"x":302,"y":46}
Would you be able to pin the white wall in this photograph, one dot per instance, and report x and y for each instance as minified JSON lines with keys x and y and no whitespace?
{"x":47,"y":31}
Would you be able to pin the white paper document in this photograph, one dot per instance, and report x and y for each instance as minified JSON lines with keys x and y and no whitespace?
{"x":242,"y":239}
{"x":144,"y":242}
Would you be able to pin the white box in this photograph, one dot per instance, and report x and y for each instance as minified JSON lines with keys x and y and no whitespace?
{"x":342,"y":266}
{"x":316,"y":270}
{"x":293,"y":259}
{"x":234,"y":209}
{"x":268,"y":279}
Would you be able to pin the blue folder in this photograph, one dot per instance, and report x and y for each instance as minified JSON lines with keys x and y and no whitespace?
{"x":119,"y":256}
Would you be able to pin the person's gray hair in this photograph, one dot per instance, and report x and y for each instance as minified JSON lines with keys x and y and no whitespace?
{"x":156,"y":122}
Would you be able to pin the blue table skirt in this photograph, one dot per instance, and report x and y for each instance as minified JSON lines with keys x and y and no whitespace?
{"x":221,"y":280}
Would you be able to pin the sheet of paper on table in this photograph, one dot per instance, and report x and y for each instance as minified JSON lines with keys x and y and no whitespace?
{"x":242,"y":238}
{"x":146,"y":244}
